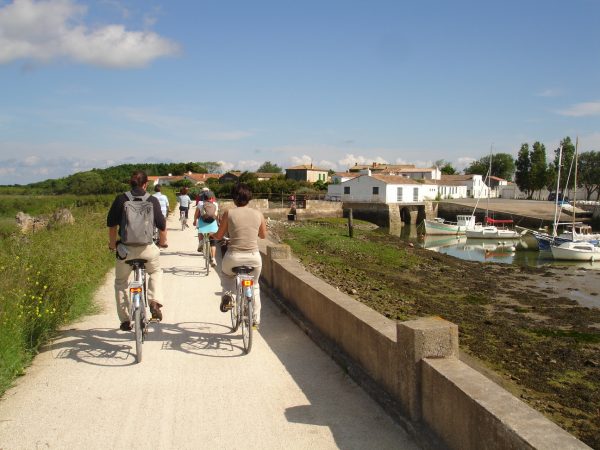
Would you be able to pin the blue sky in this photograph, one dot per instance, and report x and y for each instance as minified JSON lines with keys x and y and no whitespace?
{"x":96,"y":83}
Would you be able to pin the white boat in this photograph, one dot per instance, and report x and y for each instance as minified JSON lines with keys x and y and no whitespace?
{"x":439,"y":226}
{"x":491,"y":232}
{"x":576,"y":251}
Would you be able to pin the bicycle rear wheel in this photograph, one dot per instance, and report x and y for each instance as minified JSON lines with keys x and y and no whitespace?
{"x":235,"y":312}
{"x":206,"y":245}
{"x":139,"y":330}
{"x":246,"y":319}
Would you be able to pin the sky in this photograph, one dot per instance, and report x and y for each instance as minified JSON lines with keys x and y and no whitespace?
{"x":91,"y":84}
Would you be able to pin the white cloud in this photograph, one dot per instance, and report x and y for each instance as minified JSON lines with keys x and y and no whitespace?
{"x":307,"y":160}
{"x":51,"y":29}
{"x":582,"y":110}
{"x":549,"y":93}
{"x":463,"y":162}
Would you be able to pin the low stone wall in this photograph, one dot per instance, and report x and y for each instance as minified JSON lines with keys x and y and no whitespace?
{"x":416,"y":363}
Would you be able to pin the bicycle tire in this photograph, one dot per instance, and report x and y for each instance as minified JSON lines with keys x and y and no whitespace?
{"x":247,"y":311}
{"x":235,"y":310}
{"x":139,"y":330}
{"x":206,"y":245}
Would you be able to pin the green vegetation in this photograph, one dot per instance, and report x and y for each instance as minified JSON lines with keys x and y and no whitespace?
{"x":48,"y":277}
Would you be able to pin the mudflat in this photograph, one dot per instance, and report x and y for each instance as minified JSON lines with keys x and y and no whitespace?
{"x":526,"y":328}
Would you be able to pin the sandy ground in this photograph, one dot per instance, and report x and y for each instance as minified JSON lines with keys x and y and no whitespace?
{"x":195,"y":387}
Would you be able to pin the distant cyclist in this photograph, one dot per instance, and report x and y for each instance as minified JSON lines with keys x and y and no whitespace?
{"x":184,"y":201}
{"x":244,"y":226}
{"x":206,"y":218}
{"x":162,"y":199}
{"x":149,"y":252}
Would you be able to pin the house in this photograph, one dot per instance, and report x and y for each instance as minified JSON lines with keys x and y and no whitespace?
{"x":307,"y":172}
{"x":379,"y":167}
{"x":387,"y":189}
{"x":200,"y":178}
{"x":335,"y":190}
{"x":265,"y":176}
{"x":451,"y":189}
{"x":231,"y":176}
{"x":476,"y":188}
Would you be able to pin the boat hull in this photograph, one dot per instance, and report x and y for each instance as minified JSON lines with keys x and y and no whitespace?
{"x":575,"y":251}
{"x":491,"y":233}
{"x":443,"y":229}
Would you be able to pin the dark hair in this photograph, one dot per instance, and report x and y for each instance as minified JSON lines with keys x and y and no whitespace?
{"x":241,"y":194}
{"x":138,"y":179}
{"x":157,"y":188}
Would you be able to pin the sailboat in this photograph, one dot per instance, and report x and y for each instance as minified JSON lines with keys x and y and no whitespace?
{"x":439,"y":226}
{"x":489,"y":230}
{"x":574,"y":250}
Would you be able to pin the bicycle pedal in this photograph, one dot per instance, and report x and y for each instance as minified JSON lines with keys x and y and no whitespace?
{"x":152,"y":320}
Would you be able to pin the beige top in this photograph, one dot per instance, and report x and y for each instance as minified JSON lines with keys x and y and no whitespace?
{"x":243,"y":224}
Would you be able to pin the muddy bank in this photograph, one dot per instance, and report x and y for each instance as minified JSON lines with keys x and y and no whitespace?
{"x":520,"y":325}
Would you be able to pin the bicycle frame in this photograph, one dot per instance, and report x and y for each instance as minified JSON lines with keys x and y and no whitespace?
{"x":137,"y":307}
{"x":206,"y":250}
{"x":245,"y":307}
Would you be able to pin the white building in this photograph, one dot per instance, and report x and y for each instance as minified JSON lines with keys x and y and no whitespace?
{"x":387,"y":189}
{"x":476,"y":188}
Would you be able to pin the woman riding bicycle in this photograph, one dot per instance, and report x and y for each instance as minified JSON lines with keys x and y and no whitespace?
{"x":244,"y":226}
{"x":207,"y":225}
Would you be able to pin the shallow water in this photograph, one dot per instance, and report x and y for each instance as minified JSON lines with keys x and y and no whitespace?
{"x":507,"y":251}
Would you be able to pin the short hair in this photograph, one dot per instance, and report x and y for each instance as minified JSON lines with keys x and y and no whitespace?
{"x":157,"y":188}
{"x":241,"y":194}
{"x":138,"y":179}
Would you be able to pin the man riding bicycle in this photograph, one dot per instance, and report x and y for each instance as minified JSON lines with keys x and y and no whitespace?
{"x":149,"y":252}
{"x":244,"y":225}
{"x":184,"y":201}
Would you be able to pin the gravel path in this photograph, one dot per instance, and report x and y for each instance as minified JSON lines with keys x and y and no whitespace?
{"x":195,"y":387}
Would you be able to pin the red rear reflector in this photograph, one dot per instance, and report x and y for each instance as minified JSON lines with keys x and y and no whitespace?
{"x":247,"y":283}
{"x":135,"y":290}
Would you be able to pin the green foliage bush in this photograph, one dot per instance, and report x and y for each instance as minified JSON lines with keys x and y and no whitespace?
{"x":48,"y":279}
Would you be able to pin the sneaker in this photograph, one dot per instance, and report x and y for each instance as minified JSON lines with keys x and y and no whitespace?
{"x":213,"y":262}
{"x":256,"y":327}
{"x":125,"y":326}
{"x":155,"y":310}
{"x":226,"y":303}
{"x":200,"y":248}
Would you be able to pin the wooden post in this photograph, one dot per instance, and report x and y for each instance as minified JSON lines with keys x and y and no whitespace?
{"x":350,"y":224}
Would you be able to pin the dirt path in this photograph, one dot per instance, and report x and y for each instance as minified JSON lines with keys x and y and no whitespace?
{"x":195,"y":388}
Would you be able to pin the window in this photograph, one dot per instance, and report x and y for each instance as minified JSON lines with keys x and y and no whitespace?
{"x":346,"y":190}
{"x":399,"y":195}
{"x":415,"y":194}
{"x":375,"y":190}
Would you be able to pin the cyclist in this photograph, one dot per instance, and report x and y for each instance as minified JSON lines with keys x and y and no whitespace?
{"x":244,"y":226}
{"x":150,"y":252}
{"x":184,"y":201}
{"x":162,"y":199}
{"x":207,"y":227}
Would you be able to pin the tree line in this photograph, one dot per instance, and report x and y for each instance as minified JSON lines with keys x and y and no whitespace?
{"x":533,"y":173}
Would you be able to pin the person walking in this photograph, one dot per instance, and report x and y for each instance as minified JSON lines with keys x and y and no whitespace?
{"x":117,"y":227}
{"x":244,"y":226}
{"x":162,"y":199}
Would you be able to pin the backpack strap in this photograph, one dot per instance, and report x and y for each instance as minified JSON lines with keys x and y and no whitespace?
{"x":131,"y":197}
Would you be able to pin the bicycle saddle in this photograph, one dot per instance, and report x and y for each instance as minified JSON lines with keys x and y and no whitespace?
{"x":133,"y":262}
{"x":242,"y":269}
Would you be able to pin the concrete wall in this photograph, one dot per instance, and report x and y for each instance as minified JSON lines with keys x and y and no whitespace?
{"x":416,"y":363}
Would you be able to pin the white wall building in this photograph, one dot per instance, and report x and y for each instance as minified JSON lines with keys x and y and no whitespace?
{"x":387,"y":189}
{"x":476,"y":188}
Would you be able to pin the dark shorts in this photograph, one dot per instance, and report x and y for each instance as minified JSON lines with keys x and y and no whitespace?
{"x":186,"y":209}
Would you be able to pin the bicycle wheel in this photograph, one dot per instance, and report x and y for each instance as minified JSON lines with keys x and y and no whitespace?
{"x":139,"y":330}
{"x":235,"y":312}
{"x":246,"y":319}
{"x":206,"y":245}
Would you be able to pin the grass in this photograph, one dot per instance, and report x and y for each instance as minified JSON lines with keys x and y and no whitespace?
{"x":48,"y":279}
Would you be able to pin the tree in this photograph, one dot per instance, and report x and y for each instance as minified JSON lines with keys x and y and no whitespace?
{"x":447,"y":169}
{"x":589,"y":172}
{"x":269,"y":167}
{"x":538,"y":177}
{"x":503,"y":166}
{"x":523,"y":171}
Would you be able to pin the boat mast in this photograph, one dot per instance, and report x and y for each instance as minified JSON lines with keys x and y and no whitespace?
{"x":489,"y":184}
{"x":555,"y":226}
{"x":575,"y":187}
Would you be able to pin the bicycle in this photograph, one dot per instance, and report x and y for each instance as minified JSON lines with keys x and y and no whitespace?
{"x":137,"y":304}
{"x":183,"y":219}
{"x":206,"y":252}
{"x":242,"y":309}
